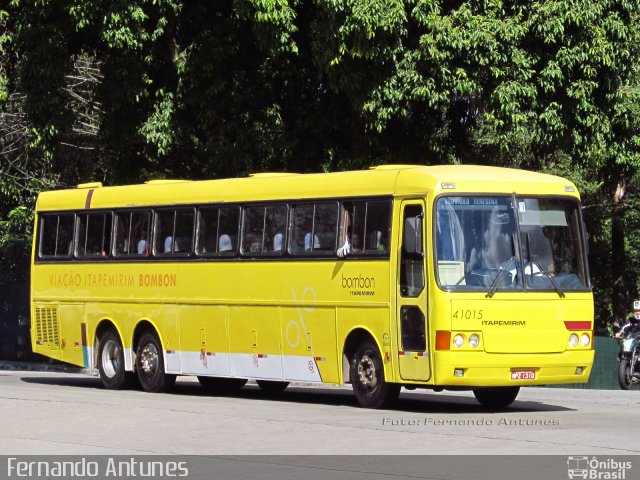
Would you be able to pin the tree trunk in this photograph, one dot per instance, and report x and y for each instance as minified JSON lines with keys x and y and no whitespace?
{"x":618,"y":257}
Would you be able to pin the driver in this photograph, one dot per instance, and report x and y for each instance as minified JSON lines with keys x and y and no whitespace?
{"x":632,"y":323}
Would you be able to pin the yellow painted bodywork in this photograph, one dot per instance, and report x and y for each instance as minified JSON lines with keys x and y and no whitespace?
{"x":304,"y":308}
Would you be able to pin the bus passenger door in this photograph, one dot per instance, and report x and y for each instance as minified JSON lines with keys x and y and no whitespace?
{"x":413,"y":351}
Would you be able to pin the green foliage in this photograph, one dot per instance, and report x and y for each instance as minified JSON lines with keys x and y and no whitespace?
{"x":127,"y":90}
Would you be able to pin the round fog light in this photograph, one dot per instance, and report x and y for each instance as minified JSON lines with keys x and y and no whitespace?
{"x":573,"y":340}
{"x":458,"y":340}
{"x":474,"y":341}
{"x":585,"y":340}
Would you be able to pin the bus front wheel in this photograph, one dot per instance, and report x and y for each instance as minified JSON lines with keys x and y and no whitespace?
{"x":111,"y":362}
{"x":150,"y":365}
{"x":496,"y":397}
{"x":367,"y":378}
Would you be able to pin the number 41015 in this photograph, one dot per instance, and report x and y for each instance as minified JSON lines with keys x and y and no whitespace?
{"x":466,"y":314}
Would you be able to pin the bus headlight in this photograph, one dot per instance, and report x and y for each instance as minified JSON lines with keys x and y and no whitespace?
{"x":458,"y":340}
{"x":585,"y":340}
{"x":573,"y":340}
{"x":474,"y":340}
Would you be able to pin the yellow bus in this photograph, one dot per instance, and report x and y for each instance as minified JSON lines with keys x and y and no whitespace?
{"x":440,"y":277}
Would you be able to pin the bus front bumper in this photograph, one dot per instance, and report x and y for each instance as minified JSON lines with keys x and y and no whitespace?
{"x":481,"y":369}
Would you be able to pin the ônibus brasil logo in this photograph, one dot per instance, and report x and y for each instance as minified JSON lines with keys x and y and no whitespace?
{"x":597,"y":469}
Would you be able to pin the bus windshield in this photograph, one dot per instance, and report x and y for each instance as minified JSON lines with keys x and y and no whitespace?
{"x":485,"y":243}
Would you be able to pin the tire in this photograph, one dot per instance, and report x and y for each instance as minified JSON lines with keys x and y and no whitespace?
{"x":496,"y":397}
{"x":150,"y":365}
{"x":624,"y":374}
{"x":111,"y":362}
{"x":220,"y":384}
{"x":271,"y":386}
{"x":367,"y":378}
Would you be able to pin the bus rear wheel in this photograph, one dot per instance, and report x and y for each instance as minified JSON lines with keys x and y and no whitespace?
{"x":150,"y":365}
{"x":220,"y":383}
{"x":111,"y":362}
{"x":496,"y":397}
{"x":271,"y":386}
{"x":367,"y":378}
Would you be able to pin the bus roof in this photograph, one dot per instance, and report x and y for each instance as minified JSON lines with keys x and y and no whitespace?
{"x":397,"y":180}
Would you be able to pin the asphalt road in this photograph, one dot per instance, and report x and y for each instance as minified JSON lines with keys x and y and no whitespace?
{"x":62,"y":413}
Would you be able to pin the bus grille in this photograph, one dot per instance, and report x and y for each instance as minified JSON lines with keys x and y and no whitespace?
{"x":47,"y":331}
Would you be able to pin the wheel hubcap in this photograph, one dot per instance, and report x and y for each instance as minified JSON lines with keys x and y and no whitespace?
{"x":111,"y":358}
{"x":367,"y":372}
{"x":149,"y":359}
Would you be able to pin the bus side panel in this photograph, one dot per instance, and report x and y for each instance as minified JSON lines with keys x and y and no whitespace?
{"x":204,"y":343}
{"x":71,"y":333}
{"x":309,"y":344}
{"x":255,"y":342}
{"x":45,"y":329}
{"x":376,"y":322}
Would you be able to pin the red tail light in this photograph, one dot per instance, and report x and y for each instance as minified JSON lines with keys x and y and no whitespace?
{"x":443,"y":340}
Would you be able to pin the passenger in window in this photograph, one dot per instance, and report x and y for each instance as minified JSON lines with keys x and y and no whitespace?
{"x":302,"y":227}
{"x":346,"y":249}
{"x":356,"y":242}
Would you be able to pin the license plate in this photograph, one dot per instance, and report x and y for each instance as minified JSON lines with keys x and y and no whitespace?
{"x":523,"y":375}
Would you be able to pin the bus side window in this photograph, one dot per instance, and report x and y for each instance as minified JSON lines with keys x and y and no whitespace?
{"x":56,"y":237}
{"x":164,"y":231}
{"x":183,"y":241}
{"x":252,"y":230}
{"x":411,"y":260}
{"x":228,"y":223}
{"x":208,"y":231}
{"x":365,"y":226}
{"x":174,"y":231}
{"x":132,"y":233}
{"x":139,"y":234}
{"x":94,"y":235}
{"x":65,"y":235}
{"x":275,"y":226}
{"x":378,"y":222}
{"x":325,"y":225}
{"x":301,"y":229}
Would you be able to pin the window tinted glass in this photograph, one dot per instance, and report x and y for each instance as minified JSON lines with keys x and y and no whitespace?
{"x":132,"y":233}
{"x":366,"y":225}
{"x":94,"y":235}
{"x":207,"y":231}
{"x":56,"y":235}
{"x":275,"y":228}
{"x":301,"y":229}
{"x":324,"y":227}
{"x":229,"y":220}
{"x":164,"y":231}
{"x":174,"y":231}
{"x":183,"y":240}
{"x":378,"y":223}
{"x":253,"y":230}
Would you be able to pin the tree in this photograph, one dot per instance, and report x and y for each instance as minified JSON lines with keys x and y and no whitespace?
{"x":127,"y":90}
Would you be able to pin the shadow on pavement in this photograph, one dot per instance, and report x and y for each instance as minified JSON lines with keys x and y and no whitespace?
{"x":423,"y":402}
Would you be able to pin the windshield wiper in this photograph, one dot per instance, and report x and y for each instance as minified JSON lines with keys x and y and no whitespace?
{"x":534,"y":260}
{"x":497,"y":282}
